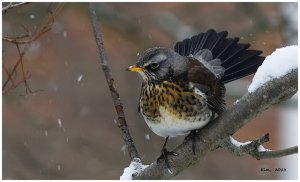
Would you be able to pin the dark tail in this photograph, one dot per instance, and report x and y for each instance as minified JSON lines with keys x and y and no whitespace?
{"x":235,"y":57}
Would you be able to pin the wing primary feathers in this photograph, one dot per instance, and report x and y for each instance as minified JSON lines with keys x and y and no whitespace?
{"x":221,"y":35}
{"x":228,"y":44}
{"x":204,"y":39}
{"x":238,"y":49}
{"x":235,"y":57}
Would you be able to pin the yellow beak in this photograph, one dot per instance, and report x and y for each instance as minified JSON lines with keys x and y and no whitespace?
{"x":135,"y":68}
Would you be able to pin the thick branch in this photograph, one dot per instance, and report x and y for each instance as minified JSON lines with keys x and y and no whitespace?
{"x":110,"y":81}
{"x":209,"y":137}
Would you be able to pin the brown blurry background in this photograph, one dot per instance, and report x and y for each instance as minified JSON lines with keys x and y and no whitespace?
{"x":67,"y":131}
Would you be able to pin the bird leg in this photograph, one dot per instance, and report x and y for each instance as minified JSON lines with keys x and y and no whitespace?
{"x":164,"y":155}
{"x":193,"y":134}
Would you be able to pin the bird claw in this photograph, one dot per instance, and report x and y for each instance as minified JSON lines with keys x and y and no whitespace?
{"x":164,"y":155}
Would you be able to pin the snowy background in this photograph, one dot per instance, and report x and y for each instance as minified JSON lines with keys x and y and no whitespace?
{"x":68,"y":130}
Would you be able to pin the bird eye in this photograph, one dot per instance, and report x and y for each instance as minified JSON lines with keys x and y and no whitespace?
{"x":154,"y":65}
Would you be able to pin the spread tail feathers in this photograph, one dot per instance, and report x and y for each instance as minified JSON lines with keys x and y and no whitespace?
{"x":235,"y":57}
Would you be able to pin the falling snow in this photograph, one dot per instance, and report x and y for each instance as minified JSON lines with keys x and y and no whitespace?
{"x":115,"y":121}
{"x":147,"y":136}
{"x":46,"y":132}
{"x":65,"y":34}
{"x":32,"y":16}
{"x":79,"y":78}
{"x":58,"y":167}
{"x":59,"y":122}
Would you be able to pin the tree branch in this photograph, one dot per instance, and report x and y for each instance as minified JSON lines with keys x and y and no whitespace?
{"x":278,"y":153}
{"x":110,"y":81}
{"x":255,"y":148}
{"x":240,"y":149}
{"x":11,"y":6}
{"x":210,"y":137}
{"x":26,"y":40}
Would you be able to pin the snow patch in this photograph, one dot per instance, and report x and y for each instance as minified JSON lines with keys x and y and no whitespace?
{"x":237,"y":101}
{"x":237,"y":143}
{"x":279,"y":63}
{"x":262,"y":149}
{"x":135,"y":167}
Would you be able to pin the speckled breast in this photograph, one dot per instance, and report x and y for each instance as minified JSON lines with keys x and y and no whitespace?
{"x":172,"y":109}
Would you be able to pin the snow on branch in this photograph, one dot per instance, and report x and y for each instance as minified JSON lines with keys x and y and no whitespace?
{"x":280,"y":62}
{"x":255,"y":148}
{"x":134,"y":168}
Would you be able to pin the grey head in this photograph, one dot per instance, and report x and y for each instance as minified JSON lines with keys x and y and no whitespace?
{"x":159,"y":64}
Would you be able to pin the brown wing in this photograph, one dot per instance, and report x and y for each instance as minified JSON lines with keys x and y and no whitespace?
{"x":207,"y":83}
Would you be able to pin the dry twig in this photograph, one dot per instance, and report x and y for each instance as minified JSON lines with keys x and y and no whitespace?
{"x":11,"y":6}
{"x":110,"y":81}
{"x":26,"y":39}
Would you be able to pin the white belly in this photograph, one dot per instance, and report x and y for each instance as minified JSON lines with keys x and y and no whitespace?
{"x":171,"y":126}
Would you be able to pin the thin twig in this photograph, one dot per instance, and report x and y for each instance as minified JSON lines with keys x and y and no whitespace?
{"x":27,"y":88}
{"x":26,"y":40}
{"x":14,"y":85}
{"x":40,"y":31}
{"x":11,"y":6}
{"x":133,"y":153}
{"x":12,"y":72}
{"x":278,"y":153}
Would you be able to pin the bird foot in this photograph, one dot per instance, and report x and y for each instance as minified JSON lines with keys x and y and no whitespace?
{"x":164,"y":155}
{"x":192,"y":135}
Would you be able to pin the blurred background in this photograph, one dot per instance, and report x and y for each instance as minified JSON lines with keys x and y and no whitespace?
{"x":67,"y":130}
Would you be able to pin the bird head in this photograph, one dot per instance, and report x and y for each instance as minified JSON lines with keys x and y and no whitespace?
{"x":159,"y":64}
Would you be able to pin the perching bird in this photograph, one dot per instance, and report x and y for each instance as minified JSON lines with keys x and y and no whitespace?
{"x":183,"y":89}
